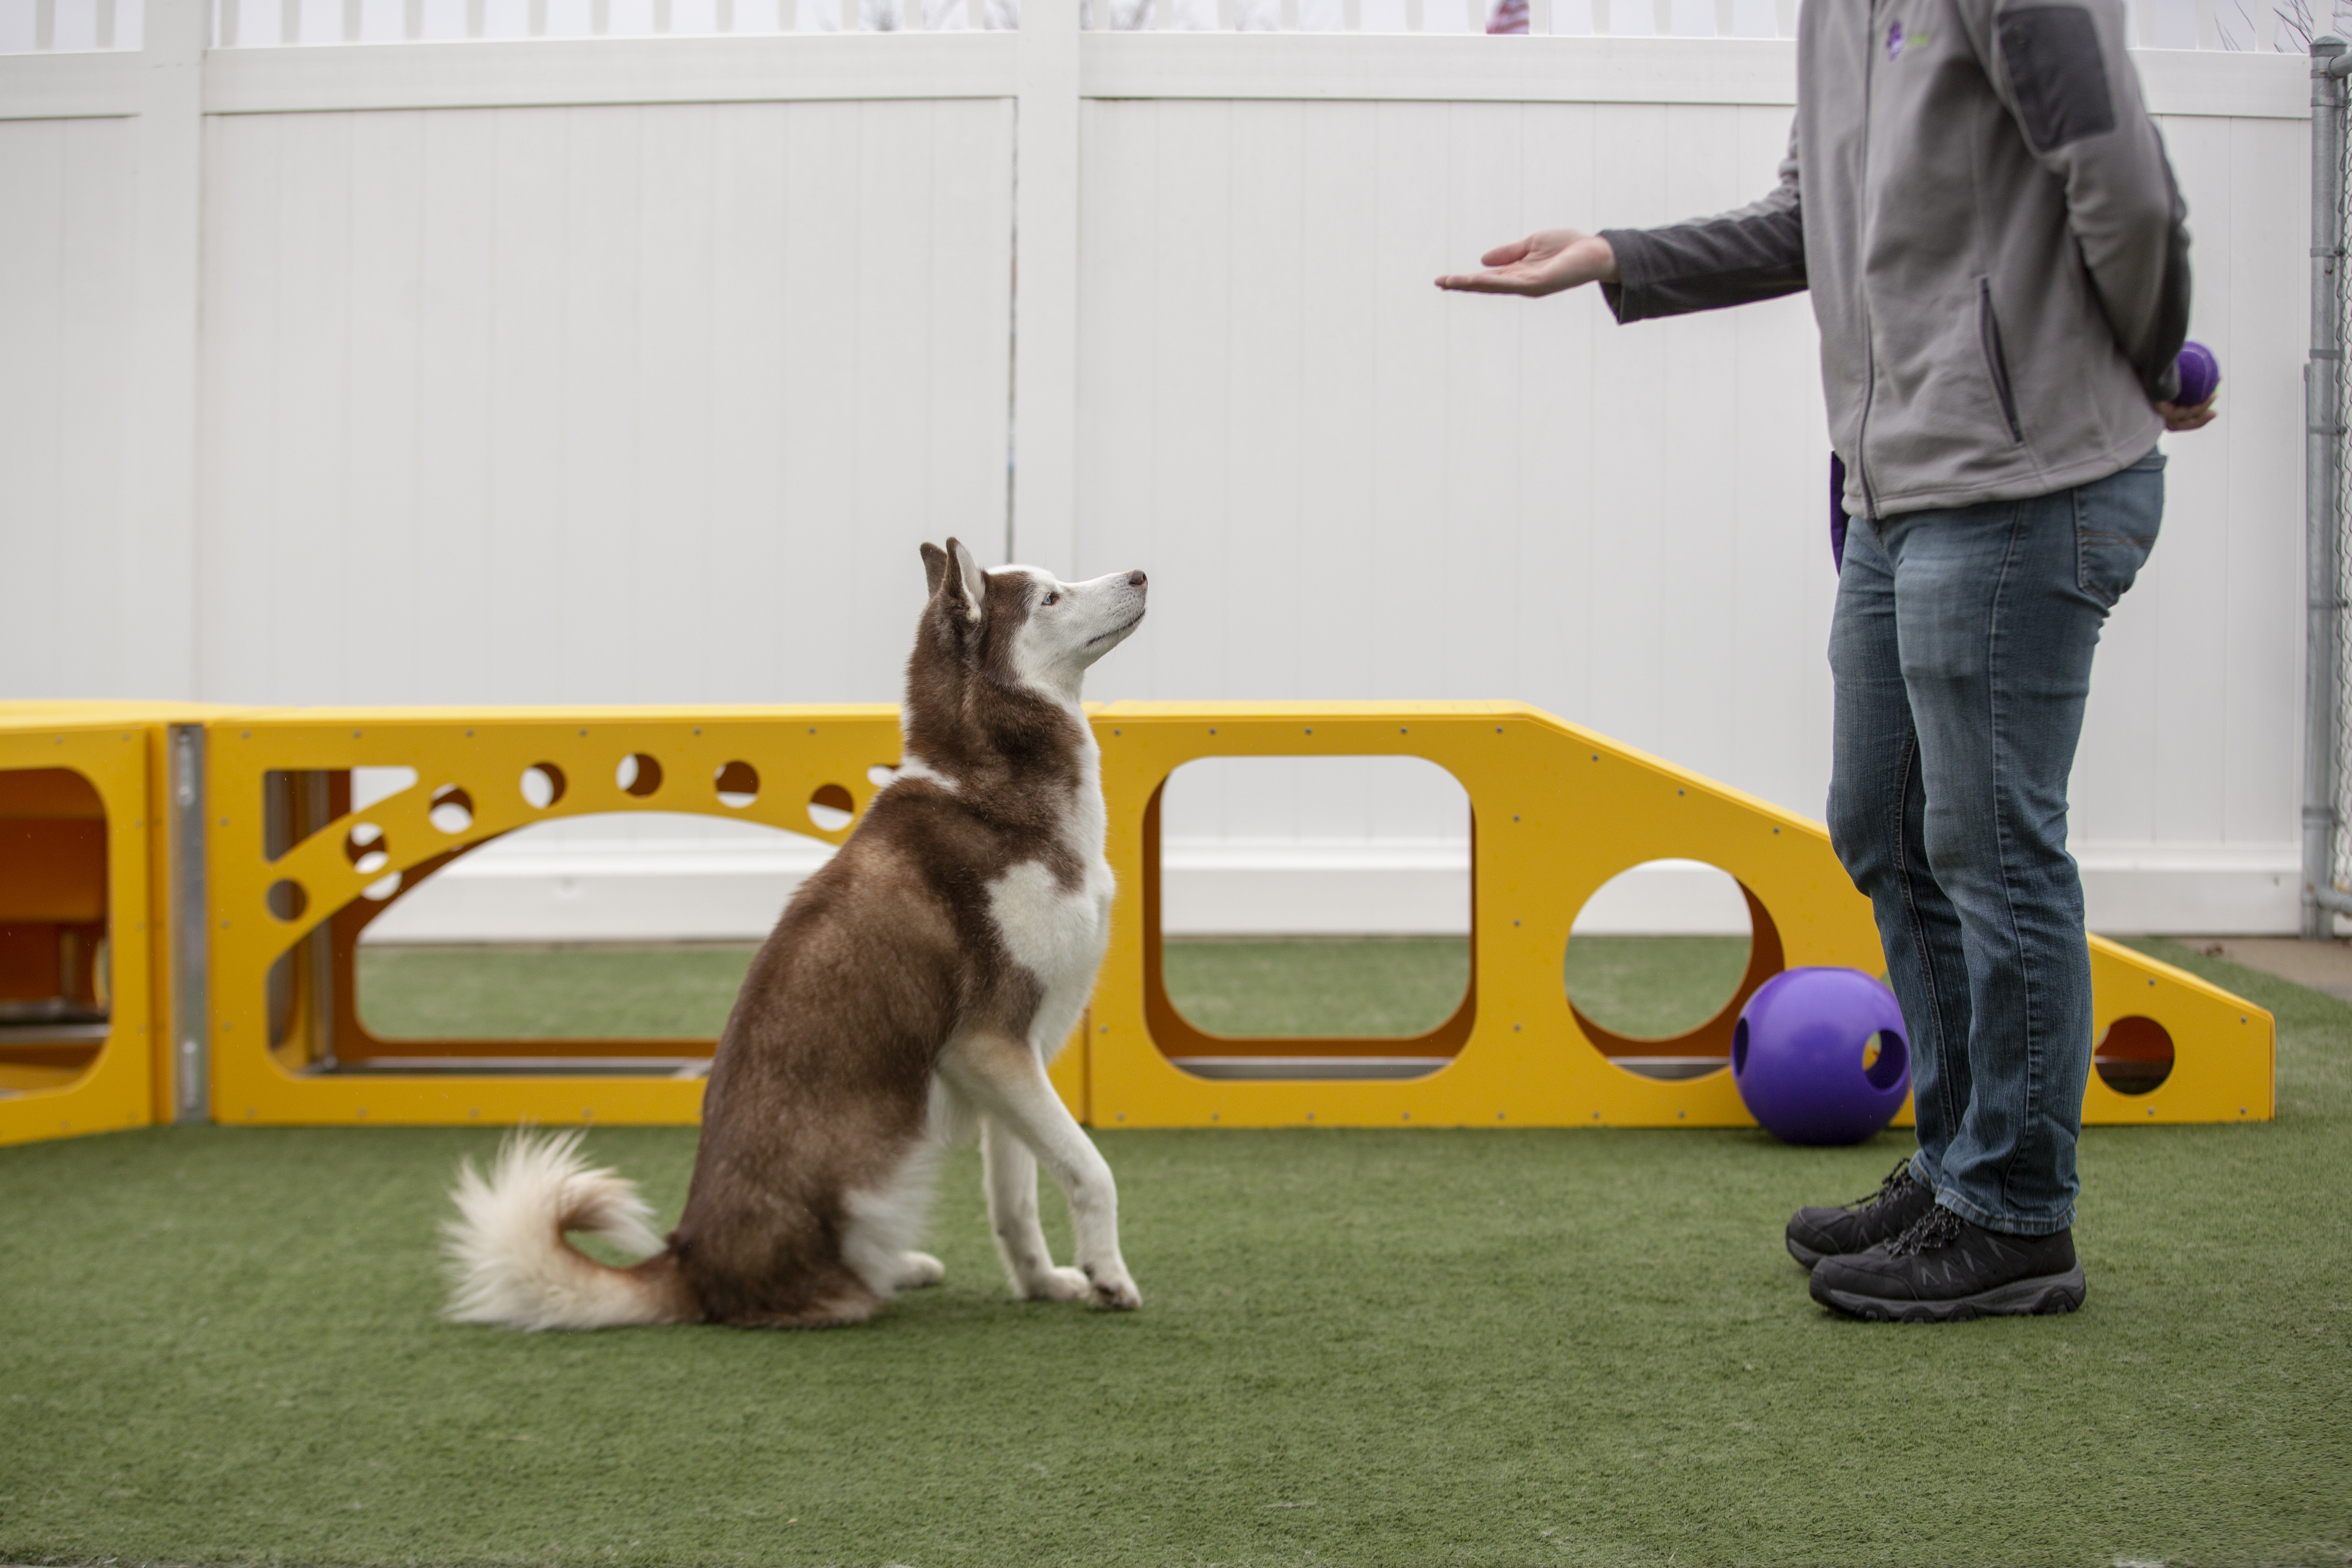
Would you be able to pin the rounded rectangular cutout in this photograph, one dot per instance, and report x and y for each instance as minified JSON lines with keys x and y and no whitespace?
{"x":1311,"y":917}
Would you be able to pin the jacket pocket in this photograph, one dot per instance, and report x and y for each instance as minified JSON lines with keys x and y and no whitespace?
{"x":1996,"y":362}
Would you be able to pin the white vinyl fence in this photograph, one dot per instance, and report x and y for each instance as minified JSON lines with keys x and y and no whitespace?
{"x":632,"y":365}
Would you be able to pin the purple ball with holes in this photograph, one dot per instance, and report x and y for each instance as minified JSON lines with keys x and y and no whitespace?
{"x":1803,"y":1055}
{"x":2201,"y":372}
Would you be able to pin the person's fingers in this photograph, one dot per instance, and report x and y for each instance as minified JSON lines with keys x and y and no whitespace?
{"x":1483,"y":283}
{"x":2177,"y":418}
{"x":1504,"y":255}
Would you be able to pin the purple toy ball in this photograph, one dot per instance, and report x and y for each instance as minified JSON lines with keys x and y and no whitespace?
{"x":2201,"y":372}
{"x":1797,"y":1056}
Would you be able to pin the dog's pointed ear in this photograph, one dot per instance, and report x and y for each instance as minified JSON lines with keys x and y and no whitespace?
{"x":935,"y":567}
{"x":964,"y":577}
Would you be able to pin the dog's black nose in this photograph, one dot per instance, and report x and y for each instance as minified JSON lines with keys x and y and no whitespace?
{"x":1136,"y":579}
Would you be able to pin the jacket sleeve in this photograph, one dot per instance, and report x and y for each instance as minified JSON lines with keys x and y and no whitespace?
{"x":2062,"y":72}
{"x":1756,"y":252}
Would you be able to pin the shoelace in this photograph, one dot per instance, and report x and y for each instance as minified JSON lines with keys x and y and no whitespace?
{"x":1897,"y":1180}
{"x":1936,"y":1229}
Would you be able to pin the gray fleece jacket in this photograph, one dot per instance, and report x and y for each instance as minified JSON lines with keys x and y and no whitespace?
{"x":1983,"y":210}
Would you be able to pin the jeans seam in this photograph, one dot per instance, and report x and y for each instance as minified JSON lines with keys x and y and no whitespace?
{"x":1911,"y":916}
{"x":2004,"y":860}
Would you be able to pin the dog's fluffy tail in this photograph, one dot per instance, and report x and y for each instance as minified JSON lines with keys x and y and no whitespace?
{"x":512,"y":1264}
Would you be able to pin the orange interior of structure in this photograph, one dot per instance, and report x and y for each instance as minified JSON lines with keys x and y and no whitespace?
{"x":53,"y":1003}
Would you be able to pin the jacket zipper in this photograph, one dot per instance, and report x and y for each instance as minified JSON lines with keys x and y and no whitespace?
{"x":1988,"y":329}
{"x":1869,"y":334}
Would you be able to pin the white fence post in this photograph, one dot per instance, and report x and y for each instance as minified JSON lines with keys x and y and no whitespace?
{"x":1042,"y":529}
{"x":160,"y":619}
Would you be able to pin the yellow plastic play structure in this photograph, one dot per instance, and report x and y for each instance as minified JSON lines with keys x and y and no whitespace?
{"x":241,"y":1008}
{"x":85,"y":950}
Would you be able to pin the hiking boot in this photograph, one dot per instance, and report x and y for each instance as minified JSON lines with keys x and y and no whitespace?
{"x":1818,"y":1233}
{"x":1947,"y":1270}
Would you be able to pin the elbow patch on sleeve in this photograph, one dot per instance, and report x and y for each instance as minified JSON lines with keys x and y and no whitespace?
{"x":2060,"y":74}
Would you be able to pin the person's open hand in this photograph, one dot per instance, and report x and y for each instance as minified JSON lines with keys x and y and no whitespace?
{"x":2176,"y":418}
{"x":1545,"y":262}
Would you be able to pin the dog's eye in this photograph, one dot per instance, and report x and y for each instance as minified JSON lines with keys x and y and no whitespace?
{"x":1053,"y":598}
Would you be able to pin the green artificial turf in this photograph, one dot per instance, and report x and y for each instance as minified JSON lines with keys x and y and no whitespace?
{"x":1286,"y":987}
{"x":550,"y":992}
{"x":1650,"y":987}
{"x":1401,"y":986}
{"x":1472,"y":1347}
{"x":1641,"y":986}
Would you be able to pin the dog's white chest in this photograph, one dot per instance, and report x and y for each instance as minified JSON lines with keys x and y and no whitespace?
{"x":1057,"y":933}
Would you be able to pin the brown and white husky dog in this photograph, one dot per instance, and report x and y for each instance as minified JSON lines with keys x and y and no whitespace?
{"x":916,"y":987}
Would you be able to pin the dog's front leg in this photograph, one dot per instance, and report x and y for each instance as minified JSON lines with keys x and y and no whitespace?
{"x":1011,"y":1172}
{"x":1004,"y":1078}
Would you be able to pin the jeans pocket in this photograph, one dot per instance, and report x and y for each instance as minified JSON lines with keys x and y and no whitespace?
{"x":2115,"y":523}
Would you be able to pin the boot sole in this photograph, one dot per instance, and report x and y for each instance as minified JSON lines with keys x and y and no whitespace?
{"x":1804,"y":1254}
{"x":2019,"y":1299}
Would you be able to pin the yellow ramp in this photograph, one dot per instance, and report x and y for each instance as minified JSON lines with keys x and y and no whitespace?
{"x":1556,"y":812}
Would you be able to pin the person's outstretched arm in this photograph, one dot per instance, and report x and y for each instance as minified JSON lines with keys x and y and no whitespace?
{"x":1755,"y":253}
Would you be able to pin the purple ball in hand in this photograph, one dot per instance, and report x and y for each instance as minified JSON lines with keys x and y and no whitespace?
{"x":2201,"y":372}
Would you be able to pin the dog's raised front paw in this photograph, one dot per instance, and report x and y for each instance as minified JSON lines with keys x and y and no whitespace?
{"x":917,"y":1269}
{"x":1112,"y":1290}
{"x":1057,"y":1285}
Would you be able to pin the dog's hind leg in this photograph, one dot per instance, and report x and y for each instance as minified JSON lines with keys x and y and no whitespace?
{"x":883,"y":1219}
{"x":1010,"y":1171}
{"x":917,"y":1269}
{"x":1004,"y":1078}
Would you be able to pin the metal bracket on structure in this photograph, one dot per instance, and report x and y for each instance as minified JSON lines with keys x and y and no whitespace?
{"x":190,"y":945}
{"x":318,"y":947}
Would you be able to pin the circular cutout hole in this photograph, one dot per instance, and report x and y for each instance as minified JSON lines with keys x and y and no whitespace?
{"x":2134,"y":1056}
{"x":881,"y":777}
{"x":738,"y":785}
{"x":453,"y":809}
{"x":365,"y":848}
{"x":542,"y":785}
{"x":287,"y":900}
{"x":831,"y":808}
{"x":1885,"y":1059}
{"x":1657,"y":952}
{"x":638,"y":774}
{"x":381,"y":888}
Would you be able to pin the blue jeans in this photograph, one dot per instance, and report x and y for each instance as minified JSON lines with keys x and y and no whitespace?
{"x":1961,"y":651}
